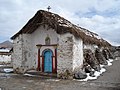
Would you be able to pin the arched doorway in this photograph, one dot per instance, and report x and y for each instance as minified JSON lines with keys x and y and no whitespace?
{"x":47,"y":60}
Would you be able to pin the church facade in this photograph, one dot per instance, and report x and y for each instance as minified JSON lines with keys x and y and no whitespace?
{"x":51,"y":44}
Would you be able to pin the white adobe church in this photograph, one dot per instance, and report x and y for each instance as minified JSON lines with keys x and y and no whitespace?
{"x":51,"y":44}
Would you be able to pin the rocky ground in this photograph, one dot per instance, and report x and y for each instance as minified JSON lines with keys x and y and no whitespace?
{"x":110,"y":80}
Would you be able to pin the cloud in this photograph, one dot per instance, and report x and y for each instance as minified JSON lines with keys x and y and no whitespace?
{"x":100,"y":16}
{"x":106,"y":27}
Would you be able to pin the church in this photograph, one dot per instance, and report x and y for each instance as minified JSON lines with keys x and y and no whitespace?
{"x":49,"y":43}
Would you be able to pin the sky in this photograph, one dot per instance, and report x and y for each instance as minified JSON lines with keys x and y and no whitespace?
{"x":99,"y":16}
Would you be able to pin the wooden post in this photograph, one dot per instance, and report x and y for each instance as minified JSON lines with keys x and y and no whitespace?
{"x":42,"y":63}
{"x":38,"y":68}
{"x":55,"y":60}
{"x":52,"y":64}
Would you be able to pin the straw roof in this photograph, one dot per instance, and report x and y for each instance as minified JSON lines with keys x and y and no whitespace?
{"x":61,"y":26}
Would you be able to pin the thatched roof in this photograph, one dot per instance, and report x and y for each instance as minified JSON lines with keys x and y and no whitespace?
{"x":61,"y":26}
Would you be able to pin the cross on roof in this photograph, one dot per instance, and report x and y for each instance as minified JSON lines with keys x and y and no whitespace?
{"x":48,"y":8}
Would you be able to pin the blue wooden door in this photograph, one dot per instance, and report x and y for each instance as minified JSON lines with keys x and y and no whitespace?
{"x":48,"y":61}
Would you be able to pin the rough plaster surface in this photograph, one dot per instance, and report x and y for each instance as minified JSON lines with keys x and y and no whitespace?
{"x":38,"y":37}
{"x":64,"y":53}
{"x":77,"y":54}
{"x":25,"y":55}
{"x":69,"y":50}
{"x":17,"y":53}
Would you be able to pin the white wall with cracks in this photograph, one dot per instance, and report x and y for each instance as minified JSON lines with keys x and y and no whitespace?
{"x":25,"y":51}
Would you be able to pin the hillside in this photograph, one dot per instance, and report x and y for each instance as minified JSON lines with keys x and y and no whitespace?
{"x":6,"y":44}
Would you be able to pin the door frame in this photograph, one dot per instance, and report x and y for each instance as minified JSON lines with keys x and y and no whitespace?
{"x":41,"y":49}
{"x":44,"y":58}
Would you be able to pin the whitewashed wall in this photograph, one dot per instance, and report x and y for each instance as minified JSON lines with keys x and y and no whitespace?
{"x":27,"y":61}
{"x":77,"y":54}
{"x":17,"y":54}
{"x":69,"y":50}
{"x":38,"y":37}
{"x":25,"y":56}
{"x":5,"y":59}
{"x":64,"y":53}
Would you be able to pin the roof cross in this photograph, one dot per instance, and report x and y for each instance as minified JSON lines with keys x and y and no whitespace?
{"x":48,"y":8}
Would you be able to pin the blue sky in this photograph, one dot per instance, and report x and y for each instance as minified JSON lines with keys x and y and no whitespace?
{"x":99,"y":16}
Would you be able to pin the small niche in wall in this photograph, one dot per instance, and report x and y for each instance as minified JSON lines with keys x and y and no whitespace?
{"x":47,"y":40}
{"x":19,"y":48}
{"x":17,"y":41}
{"x":29,"y":55}
{"x":57,"y":39}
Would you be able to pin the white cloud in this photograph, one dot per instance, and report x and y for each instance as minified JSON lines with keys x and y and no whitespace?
{"x":106,"y":27}
{"x":100,"y":16}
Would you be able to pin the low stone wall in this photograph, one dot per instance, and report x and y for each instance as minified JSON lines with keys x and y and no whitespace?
{"x":5,"y":59}
{"x":92,"y":60}
{"x":100,"y":57}
{"x":115,"y":51}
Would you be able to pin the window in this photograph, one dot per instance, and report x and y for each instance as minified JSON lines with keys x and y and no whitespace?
{"x":47,"y":41}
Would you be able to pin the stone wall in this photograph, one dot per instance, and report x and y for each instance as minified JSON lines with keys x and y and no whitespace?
{"x":5,"y":59}
{"x":69,"y":50}
{"x":25,"y":51}
{"x":77,"y":54}
{"x":27,"y":62}
{"x":115,"y":52}
{"x":65,"y":54}
{"x":17,"y":54}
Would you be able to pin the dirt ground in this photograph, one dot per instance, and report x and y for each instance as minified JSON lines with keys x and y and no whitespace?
{"x":110,"y":80}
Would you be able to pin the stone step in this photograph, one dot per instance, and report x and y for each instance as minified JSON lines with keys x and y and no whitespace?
{"x":42,"y":74}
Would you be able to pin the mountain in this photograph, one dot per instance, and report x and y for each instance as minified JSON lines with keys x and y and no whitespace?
{"x":6,"y":44}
